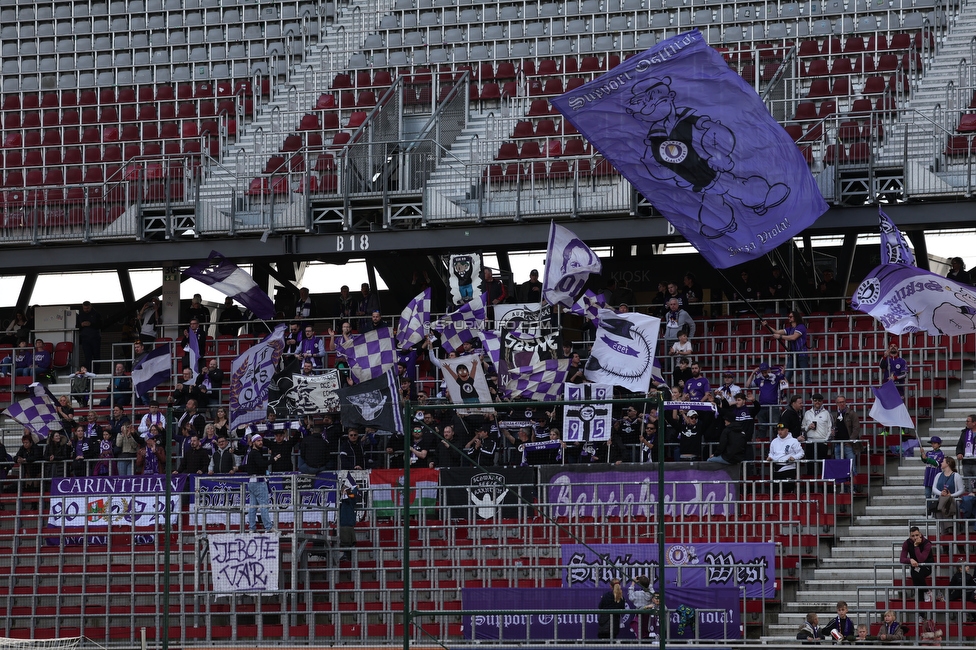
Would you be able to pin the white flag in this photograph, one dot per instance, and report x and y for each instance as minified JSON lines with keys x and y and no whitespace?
{"x":569,"y":263}
{"x":623,"y":353}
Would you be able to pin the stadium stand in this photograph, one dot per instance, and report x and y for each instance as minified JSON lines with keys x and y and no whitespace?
{"x":130,"y":120}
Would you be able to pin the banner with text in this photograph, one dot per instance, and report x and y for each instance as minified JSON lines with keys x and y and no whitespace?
{"x":219,"y":497}
{"x":699,"y":566}
{"x":83,"y":509}
{"x":718,"y":614}
{"x":474,"y":493}
{"x":244,"y":562}
{"x":630,"y":490}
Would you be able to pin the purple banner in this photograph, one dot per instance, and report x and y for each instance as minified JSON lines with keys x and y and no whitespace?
{"x":718,"y":614}
{"x":698,"y":566}
{"x":84,"y":508}
{"x":631,"y":490}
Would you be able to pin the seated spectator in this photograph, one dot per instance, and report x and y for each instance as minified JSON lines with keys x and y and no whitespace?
{"x":891,"y":629}
{"x":862,"y":634}
{"x":732,"y":444}
{"x":121,"y":389}
{"x":916,"y":551}
{"x":810,"y":632}
{"x":19,"y":362}
{"x":963,"y":578}
{"x":17,"y":330}
{"x":81,"y":385}
{"x":41,"y":361}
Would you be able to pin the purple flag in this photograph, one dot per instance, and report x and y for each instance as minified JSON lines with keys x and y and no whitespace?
{"x":250,"y":379}
{"x":907,"y":299}
{"x":569,"y":263}
{"x":414,"y":321}
{"x":37,"y":413}
{"x":369,"y":354}
{"x":889,"y":409}
{"x":542,"y":382}
{"x":462,"y":325}
{"x":894,"y":248}
{"x":697,"y":141}
{"x":838,"y":470}
{"x":228,"y":279}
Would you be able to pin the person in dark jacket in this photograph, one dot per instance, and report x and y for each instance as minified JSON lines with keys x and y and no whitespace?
{"x":27,"y":460}
{"x":612,"y":600}
{"x":347,"y":517}
{"x":732,"y":444}
{"x":313,"y":453}
{"x":446,"y":451}
{"x":257,"y":464}
{"x":280,"y":449}
{"x":792,"y":417}
{"x":196,"y":459}
{"x":224,"y":460}
{"x":352,"y":455}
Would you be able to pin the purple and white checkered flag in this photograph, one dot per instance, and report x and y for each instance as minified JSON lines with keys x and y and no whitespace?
{"x":230,"y":280}
{"x":542,"y":382}
{"x":37,"y":413}
{"x":413,"y":321}
{"x":492,"y":345}
{"x":588,"y":306}
{"x":462,"y":325}
{"x":369,"y":354}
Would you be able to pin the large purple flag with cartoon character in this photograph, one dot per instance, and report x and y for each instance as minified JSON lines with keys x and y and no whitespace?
{"x":697,"y":141}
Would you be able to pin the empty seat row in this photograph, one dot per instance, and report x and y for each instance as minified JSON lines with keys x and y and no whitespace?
{"x":874,"y":85}
{"x":547,"y":148}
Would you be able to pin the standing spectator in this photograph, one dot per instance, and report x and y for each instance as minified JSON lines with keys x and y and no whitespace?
{"x":148,"y":321}
{"x":312,"y":347}
{"x":496,"y":289}
{"x":57,"y":454}
{"x":128,"y":448}
{"x":745,"y":294}
{"x":691,"y":434}
{"x":106,"y":454}
{"x":531,"y":289}
{"x":347,"y":518}
{"x":784,"y":452}
{"x":612,"y":600}
{"x":224,"y":460}
{"x":966,"y":451}
{"x":201,"y":336}
{"x":676,"y":320}
{"x":352,"y":455}
{"x":117,"y":420}
{"x":367,"y":303}
{"x":681,"y":348}
{"x":847,"y":427}
{"x":304,"y":310}
{"x":257,"y":464}
{"x":192,"y":417}
{"x":697,"y":386}
{"x":795,"y":335}
{"x":481,"y":448}
{"x":27,"y":460}
{"x":957,"y":271}
{"x":313,"y":453}
{"x":916,"y":551}
{"x":153,"y":417}
{"x":121,"y":389}
{"x":673,"y":294}
{"x":345,"y":304}
{"x":375,"y":322}
{"x":281,"y":448}
{"x":89,"y":334}
{"x":728,"y":390}
{"x":630,"y":429}
{"x":151,"y":459}
{"x":817,"y":427}
{"x":446,"y":452}
{"x":895,"y":368}
{"x":767,"y":380}
{"x":82,"y":449}
{"x":229,"y":322}
{"x":198,"y":311}
{"x":948,"y":486}
{"x":196,"y":459}
{"x":691,"y":296}
{"x":186,"y":390}
{"x":933,"y":461}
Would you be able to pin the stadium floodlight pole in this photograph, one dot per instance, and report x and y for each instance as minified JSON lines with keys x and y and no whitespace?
{"x":408,"y":417}
{"x":167,"y":528}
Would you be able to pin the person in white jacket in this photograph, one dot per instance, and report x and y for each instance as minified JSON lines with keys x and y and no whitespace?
{"x":817,"y":426}
{"x":784,"y":451}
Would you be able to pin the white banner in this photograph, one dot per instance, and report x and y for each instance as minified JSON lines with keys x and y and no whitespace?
{"x":244,"y":562}
{"x":123,"y":501}
{"x":315,"y":394}
{"x":623,"y":353}
{"x":587,"y":422}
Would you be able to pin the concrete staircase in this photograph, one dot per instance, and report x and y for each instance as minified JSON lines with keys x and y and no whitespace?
{"x":861,"y":556}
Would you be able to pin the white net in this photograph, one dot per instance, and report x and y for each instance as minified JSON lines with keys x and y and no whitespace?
{"x":40,"y":644}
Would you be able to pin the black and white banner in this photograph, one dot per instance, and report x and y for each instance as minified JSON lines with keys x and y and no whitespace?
{"x":474,"y":494}
{"x":587,"y":422}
